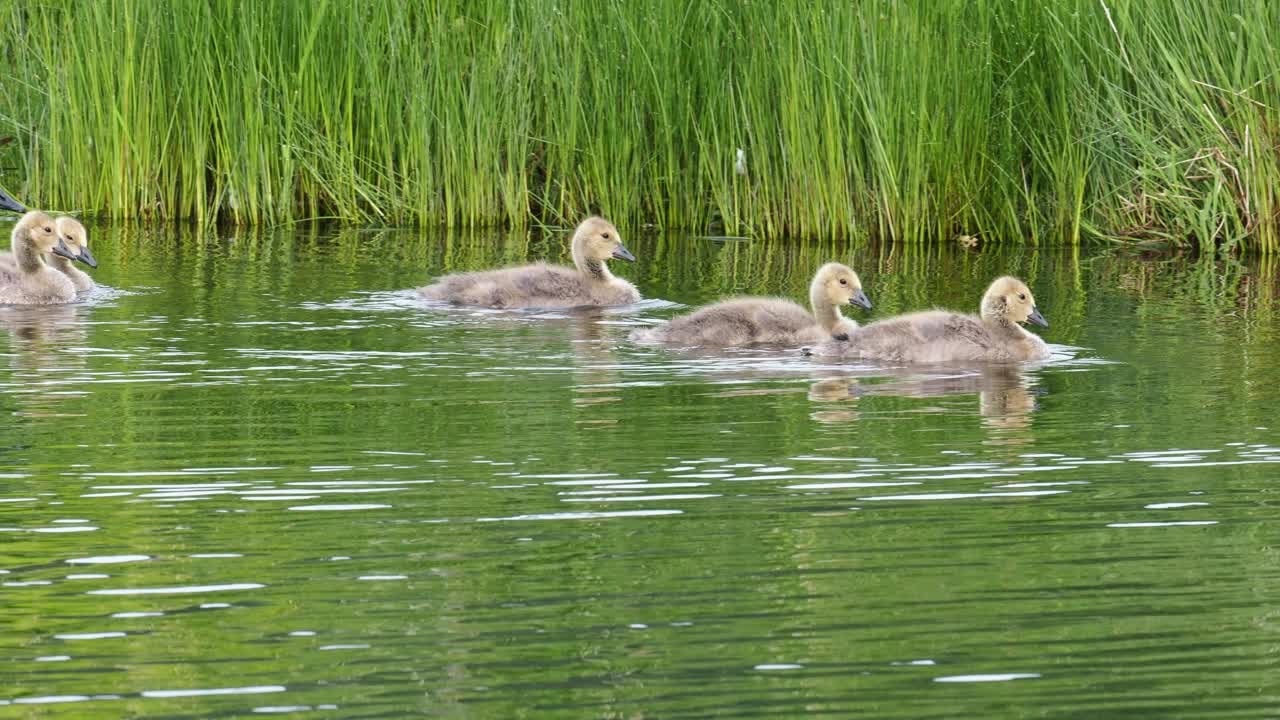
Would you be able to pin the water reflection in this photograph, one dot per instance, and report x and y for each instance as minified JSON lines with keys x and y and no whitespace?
{"x":40,"y":333}
{"x":1006,"y":393}
{"x":835,"y":390}
{"x":47,"y":349}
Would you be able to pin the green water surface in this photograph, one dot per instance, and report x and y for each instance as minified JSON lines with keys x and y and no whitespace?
{"x":252,"y":474}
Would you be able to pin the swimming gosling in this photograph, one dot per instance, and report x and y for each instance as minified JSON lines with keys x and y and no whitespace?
{"x":31,"y":281}
{"x":936,"y":336}
{"x":769,"y":321}
{"x":76,"y":241}
{"x":540,"y":285}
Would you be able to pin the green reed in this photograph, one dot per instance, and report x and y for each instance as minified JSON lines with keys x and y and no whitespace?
{"x":1010,"y":121}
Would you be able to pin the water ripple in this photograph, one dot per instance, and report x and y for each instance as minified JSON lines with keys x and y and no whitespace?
{"x":204,"y":692}
{"x":995,"y":677}
{"x":340,"y":507}
{"x":1171,"y":523}
{"x":582,"y":515}
{"x":965,"y":496}
{"x":178,"y":590}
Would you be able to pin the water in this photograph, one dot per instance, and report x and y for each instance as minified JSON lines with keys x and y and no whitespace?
{"x":252,"y":475}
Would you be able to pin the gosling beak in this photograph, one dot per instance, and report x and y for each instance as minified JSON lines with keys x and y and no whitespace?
{"x":87,"y":257}
{"x":62,"y":249}
{"x":861,"y":300}
{"x":8,"y":203}
{"x":622,"y":253}
{"x":1037,"y":318}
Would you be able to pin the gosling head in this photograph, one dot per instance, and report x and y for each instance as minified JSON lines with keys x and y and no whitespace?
{"x":597,"y":239}
{"x":1010,"y":299}
{"x":37,"y":231}
{"x":73,"y":241}
{"x":836,"y":284}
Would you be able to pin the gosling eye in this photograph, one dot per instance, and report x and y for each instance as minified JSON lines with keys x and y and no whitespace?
{"x":1022,"y":296}
{"x":605,"y":236}
{"x":844,"y":281}
{"x":48,"y":229}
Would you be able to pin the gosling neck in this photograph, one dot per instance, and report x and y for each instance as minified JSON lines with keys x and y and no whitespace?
{"x":824,"y":312}
{"x":595,"y":270}
{"x":997,"y":319}
{"x":24,"y":252}
{"x":59,"y":263}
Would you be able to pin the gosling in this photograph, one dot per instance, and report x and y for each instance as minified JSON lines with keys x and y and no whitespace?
{"x":31,"y":281}
{"x":769,"y":321}
{"x":540,"y":285}
{"x":76,"y":241}
{"x":937,"y":336}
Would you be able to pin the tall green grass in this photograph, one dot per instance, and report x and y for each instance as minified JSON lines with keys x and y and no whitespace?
{"x":1011,"y":120}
